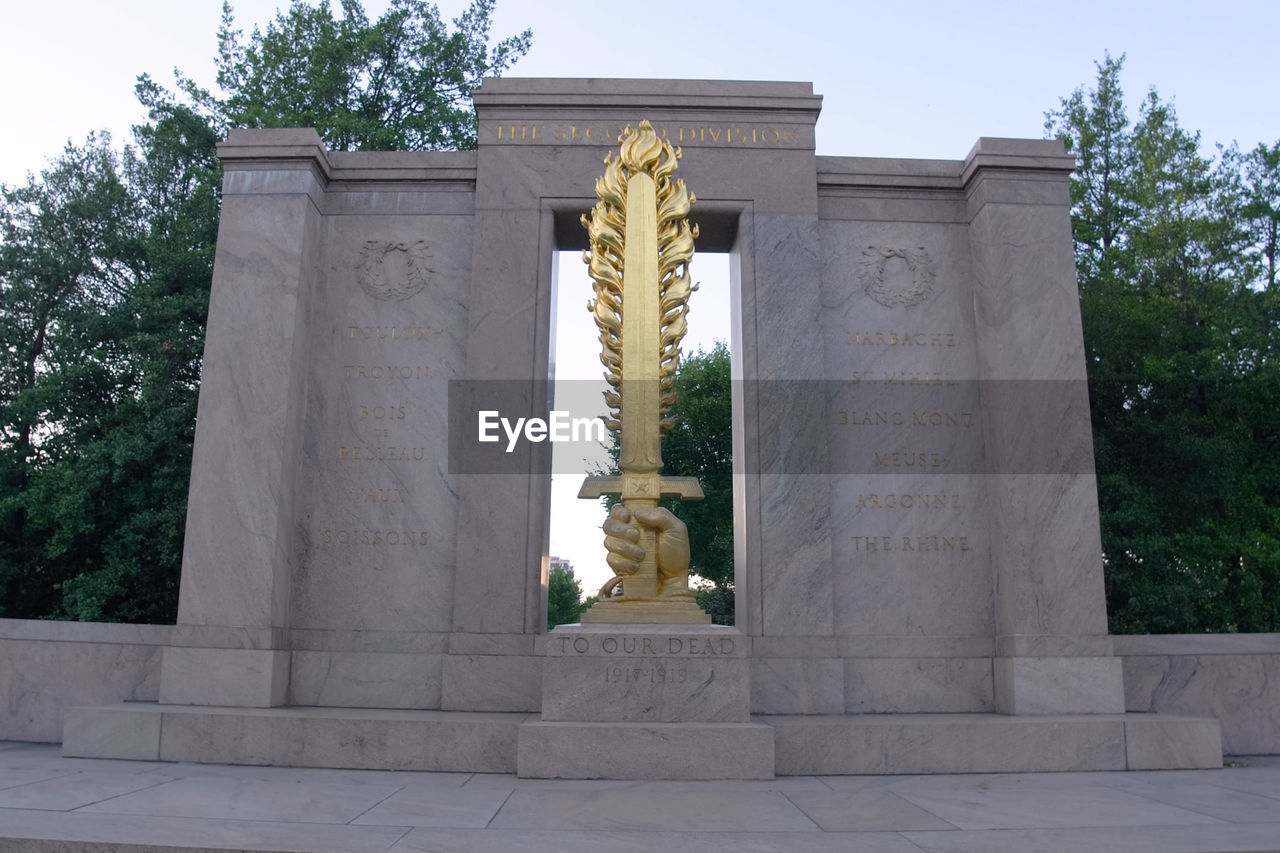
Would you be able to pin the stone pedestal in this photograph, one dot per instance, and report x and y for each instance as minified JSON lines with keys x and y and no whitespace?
{"x":645,"y":673}
{"x":645,"y":702}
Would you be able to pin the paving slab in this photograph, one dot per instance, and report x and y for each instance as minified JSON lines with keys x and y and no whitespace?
{"x":250,"y":799}
{"x":506,"y":841}
{"x":23,"y":831}
{"x":421,"y":805}
{"x":1237,"y":838}
{"x":866,"y":811}
{"x":50,"y":804}
{"x":652,"y":810}
{"x":64,"y":793}
{"x":1016,"y":803}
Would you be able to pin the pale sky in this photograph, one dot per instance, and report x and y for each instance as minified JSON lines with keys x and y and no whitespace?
{"x":899,"y":79}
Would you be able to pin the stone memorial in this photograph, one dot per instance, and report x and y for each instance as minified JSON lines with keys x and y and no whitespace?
{"x":918,"y":566}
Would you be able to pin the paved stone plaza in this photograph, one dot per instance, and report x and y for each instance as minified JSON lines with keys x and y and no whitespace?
{"x":69,"y":805}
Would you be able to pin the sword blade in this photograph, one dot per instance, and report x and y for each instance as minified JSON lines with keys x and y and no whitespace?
{"x":641,"y":442}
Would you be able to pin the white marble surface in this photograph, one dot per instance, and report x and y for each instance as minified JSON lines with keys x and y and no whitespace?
{"x":1063,"y":685}
{"x":365,"y":679}
{"x":44,"y":677}
{"x":1241,"y":690}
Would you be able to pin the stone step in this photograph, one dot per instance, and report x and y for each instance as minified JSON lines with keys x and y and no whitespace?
{"x":689,"y":750}
{"x":785,"y":745}
{"x":991,"y":743}
{"x":354,"y":738}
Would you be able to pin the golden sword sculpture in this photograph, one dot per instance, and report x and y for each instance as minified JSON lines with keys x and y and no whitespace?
{"x":641,"y":245}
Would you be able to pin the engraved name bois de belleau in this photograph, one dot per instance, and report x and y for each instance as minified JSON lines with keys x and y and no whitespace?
{"x":641,"y":245}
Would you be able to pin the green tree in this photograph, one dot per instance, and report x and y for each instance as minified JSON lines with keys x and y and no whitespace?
{"x":66,"y":258}
{"x":564,"y":596}
{"x":701,"y":445}
{"x":1181,"y":360}
{"x":402,"y":82}
{"x":105,"y":263}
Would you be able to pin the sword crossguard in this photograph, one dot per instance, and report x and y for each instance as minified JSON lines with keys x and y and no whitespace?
{"x":642,"y":486}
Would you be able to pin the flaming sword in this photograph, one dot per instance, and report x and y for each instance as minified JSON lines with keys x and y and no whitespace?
{"x":641,"y":245}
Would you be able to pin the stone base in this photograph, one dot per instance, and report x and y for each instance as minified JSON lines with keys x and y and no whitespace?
{"x":355,"y":738}
{"x":991,"y":743}
{"x":474,"y":742}
{"x":645,"y":751}
{"x":645,"y":674}
{"x":647,"y":611}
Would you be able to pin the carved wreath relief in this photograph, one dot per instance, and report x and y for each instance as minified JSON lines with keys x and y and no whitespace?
{"x":393,"y":272}
{"x":909,"y":284}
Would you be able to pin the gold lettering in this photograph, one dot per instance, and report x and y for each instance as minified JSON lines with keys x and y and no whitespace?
{"x":330,"y":536}
{"x":935,"y":543}
{"x":942,"y":419}
{"x":395,"y":333}
{"x":872,"y":418}
{"x":382,"y":454}
{"x":908,"y":501}
{"x":873,"y":543}
{"x":908,"y":460}
{"x":382,"y":413}
{"x":386,"y":371}
{"x":901,"y":339}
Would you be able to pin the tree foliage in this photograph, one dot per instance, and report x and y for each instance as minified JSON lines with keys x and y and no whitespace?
{"x":106,"y":259}
{"x":564,"y":596}
{"x":1175,"y":255}
{"x":402,"y":82}
{"x":104,"y":272}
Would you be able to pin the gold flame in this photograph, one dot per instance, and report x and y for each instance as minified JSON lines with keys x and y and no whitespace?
{"x":640,"y":151}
